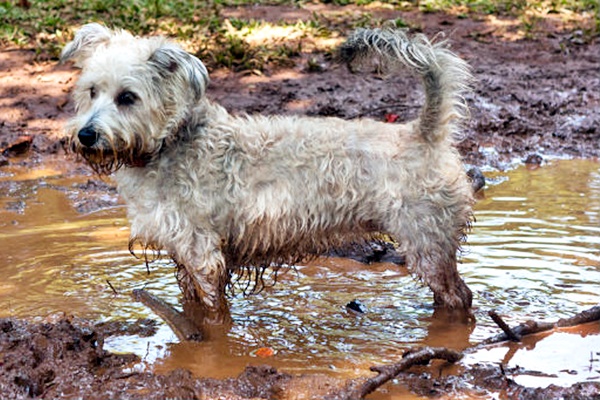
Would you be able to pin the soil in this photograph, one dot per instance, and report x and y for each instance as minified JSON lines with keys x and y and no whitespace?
{"x":533,"y":98}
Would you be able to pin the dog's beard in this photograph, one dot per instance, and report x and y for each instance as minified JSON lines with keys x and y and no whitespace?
{"x":105,"y":161}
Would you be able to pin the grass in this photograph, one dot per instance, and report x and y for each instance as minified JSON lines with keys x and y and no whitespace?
{"x":510,"y":7}
{"x":237,"y":43}
{"x":528,"y":12}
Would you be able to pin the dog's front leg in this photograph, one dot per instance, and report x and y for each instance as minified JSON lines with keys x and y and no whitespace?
{"x":204,"y":303}
{"x":203,"y":279}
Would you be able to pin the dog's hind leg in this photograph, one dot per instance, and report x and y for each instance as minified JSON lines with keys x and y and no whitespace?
{"x":430,"y":244}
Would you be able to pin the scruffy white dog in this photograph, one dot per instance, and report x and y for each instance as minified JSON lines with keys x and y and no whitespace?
{"x":221,"y":193}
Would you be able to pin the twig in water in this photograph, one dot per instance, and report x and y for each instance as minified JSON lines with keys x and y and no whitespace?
{"x":515,"y":337}
{"x":184,"y":328}
{"x":530,"y":327}
{"x":112,"y":287}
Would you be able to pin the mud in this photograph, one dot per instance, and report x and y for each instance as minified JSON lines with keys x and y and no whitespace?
{"x":481,"y":379}
{"x":66,"y":359}
{"x":532,"y":98}
{"x":57,"y":360}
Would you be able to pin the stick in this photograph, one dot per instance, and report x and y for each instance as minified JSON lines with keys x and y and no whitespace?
{"x":515,"y":337}
{"x":424,"y":355}
{"x":112,"y":287}
{"x":531,"y":327}
{"x":387,"y":372}
{"x":183,"y":328}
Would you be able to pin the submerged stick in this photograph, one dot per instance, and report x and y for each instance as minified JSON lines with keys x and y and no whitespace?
{"x":183,"y":328}
{"x":112,"y":287}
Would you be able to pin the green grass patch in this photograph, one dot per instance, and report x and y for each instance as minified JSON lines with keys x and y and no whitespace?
{"x":237,"y":43}
{"x":528,"y":12}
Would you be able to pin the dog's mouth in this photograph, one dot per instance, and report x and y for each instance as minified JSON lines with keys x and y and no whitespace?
{"x":109,"y":159}
{"x":101,"y":161}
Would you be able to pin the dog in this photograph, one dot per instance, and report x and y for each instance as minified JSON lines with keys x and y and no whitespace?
{"x":223,"y":194}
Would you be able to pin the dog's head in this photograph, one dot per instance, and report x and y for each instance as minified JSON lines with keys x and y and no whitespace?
{"x":133,"y":93}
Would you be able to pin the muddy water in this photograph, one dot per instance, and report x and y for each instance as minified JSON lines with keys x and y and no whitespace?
{"x":534,"y":253}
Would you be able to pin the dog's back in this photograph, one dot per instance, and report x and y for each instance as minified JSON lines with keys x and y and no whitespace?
{"x":304,"y":185}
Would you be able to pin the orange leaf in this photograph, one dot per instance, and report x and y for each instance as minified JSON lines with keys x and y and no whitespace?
{"x":264,"y":352}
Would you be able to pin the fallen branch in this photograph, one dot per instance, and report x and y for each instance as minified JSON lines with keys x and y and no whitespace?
{"x":530,"y":327}
{"x":420,"y":356}
{"x":183,"y":328}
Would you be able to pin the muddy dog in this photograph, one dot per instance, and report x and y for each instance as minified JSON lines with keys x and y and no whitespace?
{"x":222,"y":193}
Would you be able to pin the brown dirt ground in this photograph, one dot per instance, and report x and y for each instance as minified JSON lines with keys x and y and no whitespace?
{"x":532,"y":99}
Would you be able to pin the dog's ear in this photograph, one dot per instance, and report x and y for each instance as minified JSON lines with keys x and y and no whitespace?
{"x":87,"y":38}
{"x":172,"y":62}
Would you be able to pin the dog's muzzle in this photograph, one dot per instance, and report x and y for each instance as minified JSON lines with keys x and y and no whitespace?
{"x":87,"y":136}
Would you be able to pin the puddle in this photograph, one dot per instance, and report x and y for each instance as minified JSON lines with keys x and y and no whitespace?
{"x":535,"y":250}
{"x":534,"y":254}
{"x":564,"y":357}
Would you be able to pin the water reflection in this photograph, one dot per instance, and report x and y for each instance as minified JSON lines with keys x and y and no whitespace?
{"x":535,"y":250}
{"x":564,"y":357}
{"x":534,"y":253}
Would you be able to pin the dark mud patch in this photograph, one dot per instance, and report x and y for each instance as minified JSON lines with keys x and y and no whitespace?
{"x":483,"y":380}
{"x":67,"y":359}
{"x":376,"y":251}
{"x":44,"y":359}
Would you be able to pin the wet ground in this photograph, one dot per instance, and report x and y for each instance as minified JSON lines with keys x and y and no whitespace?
{"x":534,"y":252}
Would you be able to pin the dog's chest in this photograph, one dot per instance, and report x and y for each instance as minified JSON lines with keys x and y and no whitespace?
{"x":147,"y":204}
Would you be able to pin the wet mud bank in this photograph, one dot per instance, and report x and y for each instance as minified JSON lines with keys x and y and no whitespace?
{"x":66,"y":359}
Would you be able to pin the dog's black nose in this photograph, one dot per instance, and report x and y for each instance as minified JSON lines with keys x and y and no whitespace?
{"x":87,"y":136}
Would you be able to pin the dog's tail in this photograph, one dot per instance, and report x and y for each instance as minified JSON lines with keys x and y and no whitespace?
{"x":445,"y":76}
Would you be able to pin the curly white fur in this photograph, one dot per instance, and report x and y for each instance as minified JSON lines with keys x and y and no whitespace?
{"x":222,"y":192}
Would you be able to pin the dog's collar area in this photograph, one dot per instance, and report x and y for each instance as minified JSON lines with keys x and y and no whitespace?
{"x":181,"y":135}
{"x":139,"y":162}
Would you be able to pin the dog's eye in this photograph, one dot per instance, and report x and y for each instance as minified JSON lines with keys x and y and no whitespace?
{"x":126,"y":98}
{"x":92,"y":92}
